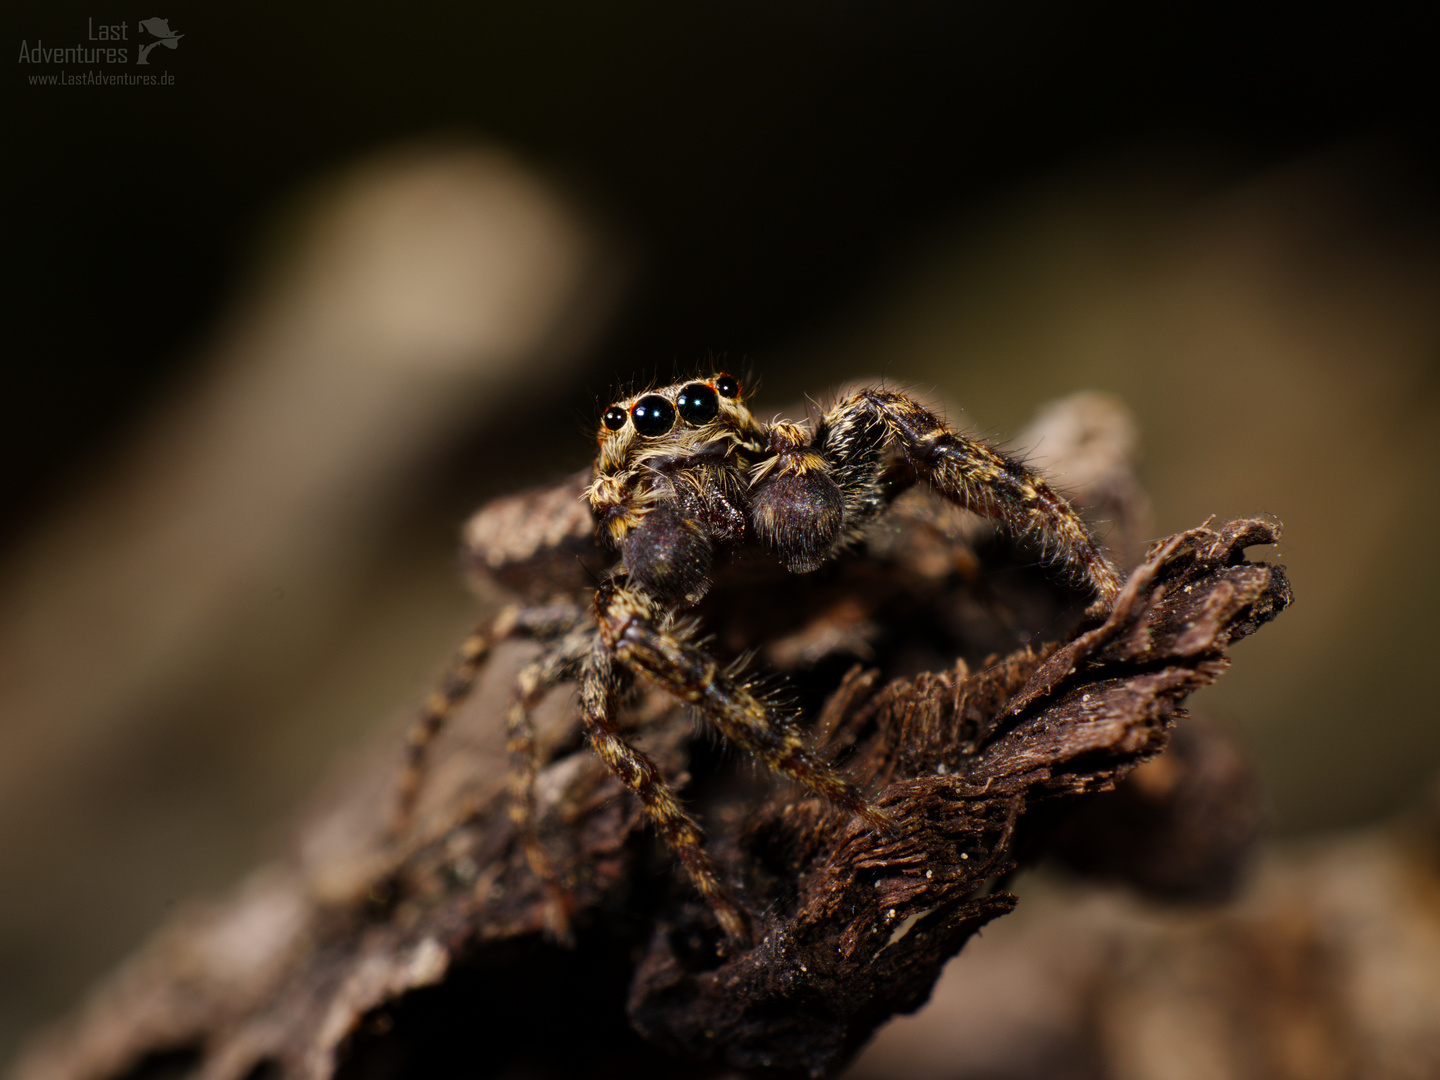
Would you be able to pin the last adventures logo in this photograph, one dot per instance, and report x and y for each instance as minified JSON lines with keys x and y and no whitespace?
{"x":107,"y":43}
{"x":160,"y":30}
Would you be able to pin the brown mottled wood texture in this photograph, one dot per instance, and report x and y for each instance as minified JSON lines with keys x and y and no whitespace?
{"x":959,"y":686}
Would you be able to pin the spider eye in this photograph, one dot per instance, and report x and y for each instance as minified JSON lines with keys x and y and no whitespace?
{"x":697,"y":403}
{"x":653,"y":415}
{"x":727,"y":386}
{"x":614,"y":418}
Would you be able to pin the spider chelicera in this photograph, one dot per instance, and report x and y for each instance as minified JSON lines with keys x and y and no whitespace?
{"x":686,"y":474}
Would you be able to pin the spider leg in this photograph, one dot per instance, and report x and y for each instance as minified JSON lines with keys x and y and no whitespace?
{"x":599,"y":691}
{"x":969,"y":473}
{"x":542,"y":622}
{"x":559,"y":663}
{"x":627,"y":623}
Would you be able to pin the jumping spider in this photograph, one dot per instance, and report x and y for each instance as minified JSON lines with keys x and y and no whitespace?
{"x":686,"y":475}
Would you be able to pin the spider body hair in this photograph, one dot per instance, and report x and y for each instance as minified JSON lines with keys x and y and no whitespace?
{"x":684,"y":476}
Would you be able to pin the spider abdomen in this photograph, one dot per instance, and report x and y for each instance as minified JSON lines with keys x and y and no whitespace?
{"x":799,"y":518}
{"x":669,"y":556}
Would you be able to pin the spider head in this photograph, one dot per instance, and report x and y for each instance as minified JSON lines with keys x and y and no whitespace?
{"x":687,"y":406}
{"x":668,"y":481}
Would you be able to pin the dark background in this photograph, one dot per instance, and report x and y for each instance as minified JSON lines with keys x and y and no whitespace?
{"x":769,"y":170}
{"x":768,"y":159}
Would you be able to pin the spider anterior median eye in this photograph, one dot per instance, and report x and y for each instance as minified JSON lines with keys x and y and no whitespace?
{"x":653,"y":415}
{"x":697,"y":403}
{"x":727,"y":386}
{"x":614,"y":418}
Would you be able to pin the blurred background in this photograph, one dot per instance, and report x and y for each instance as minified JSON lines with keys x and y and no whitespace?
{"x":275,"y":326}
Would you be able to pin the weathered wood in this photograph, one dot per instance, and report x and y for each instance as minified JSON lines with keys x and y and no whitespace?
{"x":372,"y":956}
{"x":939,"y":665}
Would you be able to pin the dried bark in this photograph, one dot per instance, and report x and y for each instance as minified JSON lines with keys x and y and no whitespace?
{"x":368,"y":957}
{"x":1326,"y":966}
{"x":858,"y":923}
{"x":365,"y":954}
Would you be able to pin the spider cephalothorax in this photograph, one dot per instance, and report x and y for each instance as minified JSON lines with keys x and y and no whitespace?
{"x":685,"y":476}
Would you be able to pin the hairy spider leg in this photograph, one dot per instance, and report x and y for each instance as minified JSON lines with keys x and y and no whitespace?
{"x":963,"y":470}
{"x":627,"y":626}
{"x":695,"y":677}
{"x":560,"y":663}
{"x":541,"y":622}
{"x":599,"y":692}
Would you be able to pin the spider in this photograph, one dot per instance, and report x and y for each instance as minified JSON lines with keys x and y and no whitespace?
{"x":685,"y":476}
